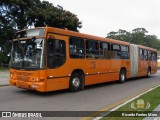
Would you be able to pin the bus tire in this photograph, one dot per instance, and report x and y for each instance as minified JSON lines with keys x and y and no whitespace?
{"x":148,"y":73}
{"x":76,"y":83}
{"x":122,"y":76}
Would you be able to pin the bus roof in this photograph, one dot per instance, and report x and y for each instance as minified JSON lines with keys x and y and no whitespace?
{"x":147,"y":48}
{"x":92,"y":37}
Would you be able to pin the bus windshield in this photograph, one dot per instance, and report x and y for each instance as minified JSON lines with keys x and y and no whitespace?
{"x":28,"y":54}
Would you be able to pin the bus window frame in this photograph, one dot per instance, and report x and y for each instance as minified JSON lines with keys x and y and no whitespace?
{"x":84,"y":50}
{"x":47,"y":65}
{"x":155,"y":58}
{"x":128,"y":52}
{"x":114,"y":52}
{"x":92,"y":55}
{"x":141,"y":54}
{"x":101,"y":49}
{"x":149,"y":52}
{"x":145,"y":54}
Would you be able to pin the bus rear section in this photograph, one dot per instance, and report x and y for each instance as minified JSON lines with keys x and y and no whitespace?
{"x":143,"y":61}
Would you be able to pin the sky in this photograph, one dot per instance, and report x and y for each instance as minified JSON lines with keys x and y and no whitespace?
{"x":100,"y":17}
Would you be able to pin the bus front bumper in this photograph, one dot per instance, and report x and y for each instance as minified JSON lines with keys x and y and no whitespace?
{"x":38,"y":86}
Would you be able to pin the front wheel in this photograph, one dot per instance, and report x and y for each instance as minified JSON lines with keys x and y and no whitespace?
{"x":122,"y":76}
{"x":76,"y":82}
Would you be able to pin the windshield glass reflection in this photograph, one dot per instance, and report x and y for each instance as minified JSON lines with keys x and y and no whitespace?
{"x":27,"y":54}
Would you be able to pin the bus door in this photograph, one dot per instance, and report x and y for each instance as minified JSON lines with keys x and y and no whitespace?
{"x":57,"y":69}
{"x":143,"y":64}
{"x":92,"y":68}
{"x":115,"y":61}
{"x":105,"y":62}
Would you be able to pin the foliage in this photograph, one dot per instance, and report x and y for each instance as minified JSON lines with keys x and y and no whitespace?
{"x":21,"y":14}
{"x":137,"y":36}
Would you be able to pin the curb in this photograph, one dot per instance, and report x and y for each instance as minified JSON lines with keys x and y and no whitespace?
{"x":4,"y":85}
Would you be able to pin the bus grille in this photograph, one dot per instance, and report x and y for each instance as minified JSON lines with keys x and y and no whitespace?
{"x":23,"y":78}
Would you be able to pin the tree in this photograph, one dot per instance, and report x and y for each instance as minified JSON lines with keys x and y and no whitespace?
{"x":20,"y":14}
{"x":140,"y":30}
{"x":26,"y":13}
{"x":112,"y":35}
{"x":137,"y":36}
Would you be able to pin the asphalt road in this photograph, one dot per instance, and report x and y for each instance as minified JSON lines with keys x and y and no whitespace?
{"x":93,"y":98}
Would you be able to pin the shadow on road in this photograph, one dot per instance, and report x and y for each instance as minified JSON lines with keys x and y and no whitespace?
{"x":42,"y":94}
{"x":88,"y":88}
{"x":116,"y":82}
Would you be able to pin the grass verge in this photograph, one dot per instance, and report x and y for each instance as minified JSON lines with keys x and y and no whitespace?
{"x":4,"y":69}
{"x":143,"y":104}
{"x":4,"y":85}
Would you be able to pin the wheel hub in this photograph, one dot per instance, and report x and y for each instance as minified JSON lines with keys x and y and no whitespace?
{"x":122,"y":77}
{"x":76,"y":82}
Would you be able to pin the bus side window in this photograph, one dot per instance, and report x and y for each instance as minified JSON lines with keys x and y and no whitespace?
{"x":104,"y":50}
{"x":76,"y":47}
{"x":116,"y":51}
{"x":145,"y":55}
{"x":56,"y":51}
{"x":124,"y":52}
{"x":92,"y":49}
{"x":149,"y":55}
{"x":154,"y":56}
{"x":141,"y":54}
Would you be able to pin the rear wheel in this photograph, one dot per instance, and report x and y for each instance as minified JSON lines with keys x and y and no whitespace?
{"x":148,"y":72}
{"x":76,"y":82}
{"x":122,"y":76}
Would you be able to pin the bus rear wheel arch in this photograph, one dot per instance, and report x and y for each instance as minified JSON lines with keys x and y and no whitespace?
{"x":76,"y":82}
{"x":122,"y":75}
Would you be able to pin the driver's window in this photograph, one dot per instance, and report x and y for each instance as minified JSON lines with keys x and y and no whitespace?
{"x":56,"y":53}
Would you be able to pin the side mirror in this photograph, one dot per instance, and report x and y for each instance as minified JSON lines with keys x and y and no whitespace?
{"x":7,"y":46}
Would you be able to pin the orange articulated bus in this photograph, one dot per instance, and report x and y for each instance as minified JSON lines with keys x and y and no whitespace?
{"x":49,"y":59}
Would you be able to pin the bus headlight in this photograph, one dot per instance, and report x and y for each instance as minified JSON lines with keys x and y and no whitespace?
{"x":12,"y":77}
{"x":34,"y":79}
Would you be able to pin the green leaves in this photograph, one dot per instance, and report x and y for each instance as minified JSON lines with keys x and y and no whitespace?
{"x":20,"y":14}
{"x":26,"y":13}
{"x":137,"y":36}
